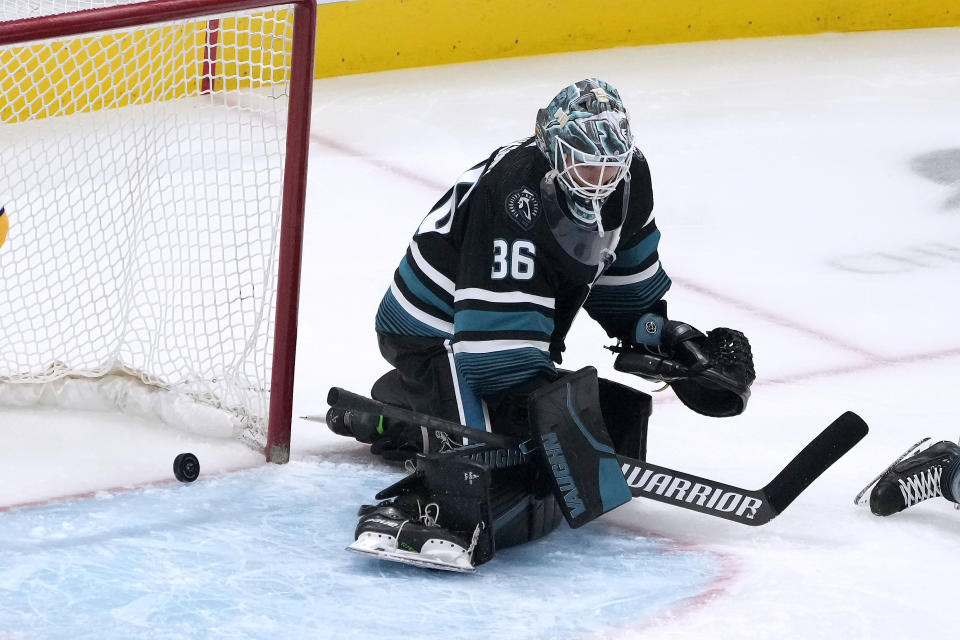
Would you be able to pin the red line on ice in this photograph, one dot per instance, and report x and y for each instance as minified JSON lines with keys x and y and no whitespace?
{"x":841,"y":370}
{"x":717,"y":588}
{"x":403,"y":172}
{"x":86,"y":495}
{"x":910,"y":358}
{"x":775,"y":318}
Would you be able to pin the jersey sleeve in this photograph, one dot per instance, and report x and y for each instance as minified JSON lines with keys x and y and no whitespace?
{"x":419,"y":301}
{"x":636,"y":280}
{"x":503,"y":304}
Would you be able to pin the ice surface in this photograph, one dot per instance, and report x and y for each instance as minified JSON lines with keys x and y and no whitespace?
{"x":259,"y":553}
{"x":806,"y":189}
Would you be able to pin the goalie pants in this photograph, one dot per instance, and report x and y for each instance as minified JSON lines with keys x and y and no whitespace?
{"x":425,"y":380}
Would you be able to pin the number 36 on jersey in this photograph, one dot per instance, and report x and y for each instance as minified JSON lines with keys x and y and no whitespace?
{"x":513,"y":260}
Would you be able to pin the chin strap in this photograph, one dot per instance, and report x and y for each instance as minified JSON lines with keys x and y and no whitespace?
{"x":596,"y":212}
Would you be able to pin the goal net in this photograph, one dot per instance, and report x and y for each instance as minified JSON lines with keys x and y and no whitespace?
{"x":153,"y":166}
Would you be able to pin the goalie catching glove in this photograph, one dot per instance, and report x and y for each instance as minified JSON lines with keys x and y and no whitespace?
{"x":711,"y":374}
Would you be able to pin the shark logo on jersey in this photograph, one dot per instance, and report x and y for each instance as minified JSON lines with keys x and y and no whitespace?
{"x":523,"y":206}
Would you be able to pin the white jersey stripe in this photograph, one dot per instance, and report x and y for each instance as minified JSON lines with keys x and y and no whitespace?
{"x":613,"y":281}
{"x":425,"y":318}
{"x":456,"y":381}
{"x":490,"y":346}
{"x":510,"y":147}
{"x":488,"y":425}
{"x":456,"y":387}
{"x":470,"y":177}
{"x":430,"y":271}
{"x":502,"y":296}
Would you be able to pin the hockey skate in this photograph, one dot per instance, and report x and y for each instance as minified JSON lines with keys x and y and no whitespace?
{"x":392,"y":531}
{"x":911,"y":479}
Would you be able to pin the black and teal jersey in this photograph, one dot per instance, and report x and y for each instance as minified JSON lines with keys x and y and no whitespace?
{"x":500,"y":269}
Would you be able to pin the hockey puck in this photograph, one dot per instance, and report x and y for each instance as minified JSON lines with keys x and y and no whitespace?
{"x":186,"y":467}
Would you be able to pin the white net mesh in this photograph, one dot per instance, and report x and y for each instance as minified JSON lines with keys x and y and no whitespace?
{"x":142,"y":174}
{"x":17,"y":9}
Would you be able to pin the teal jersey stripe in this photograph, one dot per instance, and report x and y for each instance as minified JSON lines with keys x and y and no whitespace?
{"x":634,"y":256}
{"x":627,"y":299}
{"x":394,"y":319}
{"x":489,"y":373}
{"x":493,"y":321}
{"x":420,"y":290}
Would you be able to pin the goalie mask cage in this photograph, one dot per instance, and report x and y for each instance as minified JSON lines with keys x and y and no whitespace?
{"x":153,"y":164}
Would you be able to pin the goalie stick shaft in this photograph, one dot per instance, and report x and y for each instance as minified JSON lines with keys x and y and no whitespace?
{"x":752,"y":507}
{"x":343,"y":399}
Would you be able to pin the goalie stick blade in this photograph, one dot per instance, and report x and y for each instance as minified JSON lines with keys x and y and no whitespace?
{"x":746,"y":506}
{"x":815,"y":458}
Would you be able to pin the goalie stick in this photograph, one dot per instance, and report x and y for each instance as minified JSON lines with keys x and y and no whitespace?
{"x":342,"y":399}
{"x":752,"y":507}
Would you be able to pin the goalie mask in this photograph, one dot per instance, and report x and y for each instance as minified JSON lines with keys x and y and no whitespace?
{"x":585,"y":134}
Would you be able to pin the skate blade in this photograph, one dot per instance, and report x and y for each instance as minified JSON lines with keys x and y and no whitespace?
{"x":859,"y":500}
{"x":415,"y":559}
{"x":373,"y":544}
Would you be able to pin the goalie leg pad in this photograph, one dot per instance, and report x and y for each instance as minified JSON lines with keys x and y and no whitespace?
{"x":626,"y":413}
{"x":566,"y":419}
{"x":521,"y":515}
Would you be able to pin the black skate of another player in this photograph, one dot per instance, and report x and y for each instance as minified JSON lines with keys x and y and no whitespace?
{"x":932,"y":472}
